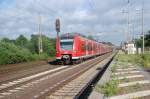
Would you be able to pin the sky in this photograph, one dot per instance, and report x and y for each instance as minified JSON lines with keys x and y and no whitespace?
{"x":103,"y":19}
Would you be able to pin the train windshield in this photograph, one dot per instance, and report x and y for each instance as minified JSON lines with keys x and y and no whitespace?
{"x":66,"y":44}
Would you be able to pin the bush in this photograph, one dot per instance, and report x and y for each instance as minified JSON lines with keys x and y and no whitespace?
{"x":143,"y":59}
{"x":110,"y":88}
{"x":146,"y":60}
{"x":10,"y":54}
{"x":23,"y":50}
{"x":134,"y":58}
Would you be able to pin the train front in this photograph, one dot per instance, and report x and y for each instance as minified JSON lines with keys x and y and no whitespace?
{"x":64,"y":48}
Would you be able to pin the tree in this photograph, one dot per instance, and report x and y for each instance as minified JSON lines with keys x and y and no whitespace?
{"x":90,"y":37}
{"x":139,"y":41}
{"x":7,"y":40}
{"x":23,"y":50}
{"x":109,"y":43}
{"x":10,"y":54}
{"x":47,"y":44}
{"x":33,"y":44}
{"x":22,"y":41}
{"x":147,"y":39}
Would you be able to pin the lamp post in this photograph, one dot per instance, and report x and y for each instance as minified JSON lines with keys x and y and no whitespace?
{"x":128,"y":38}
{"x":142,"y":25}
{"x":40,"y":35}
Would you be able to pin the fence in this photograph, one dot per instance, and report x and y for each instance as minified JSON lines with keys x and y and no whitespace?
{"x":147,"y":49}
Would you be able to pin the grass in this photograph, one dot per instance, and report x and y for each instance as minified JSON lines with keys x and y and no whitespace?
{"x":110,"y":88}
{"x":129,"y":58}
{"x":125,"y":79}
{"x":146,"y":60}
{"x":113,"y":67}
{"x":140,"y":59}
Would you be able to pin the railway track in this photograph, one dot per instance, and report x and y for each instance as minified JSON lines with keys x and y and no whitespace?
{"x":40,"y":85}
{"x":75,"y":88}
{"x":20,"y":66}
{"x":133,"y":82}
{"x":25,"y":82}
{"x":12,"y":72}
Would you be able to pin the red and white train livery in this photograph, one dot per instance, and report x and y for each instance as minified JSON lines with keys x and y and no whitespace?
{"x":71,"y":47}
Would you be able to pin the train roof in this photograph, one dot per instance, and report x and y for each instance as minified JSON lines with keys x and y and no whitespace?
{"x":70,"y":35}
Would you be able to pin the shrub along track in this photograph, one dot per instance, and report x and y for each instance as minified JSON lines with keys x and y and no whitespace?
{"x":41,"y":84}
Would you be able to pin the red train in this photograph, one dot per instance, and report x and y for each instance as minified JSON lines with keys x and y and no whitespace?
{"x":73,"y":47}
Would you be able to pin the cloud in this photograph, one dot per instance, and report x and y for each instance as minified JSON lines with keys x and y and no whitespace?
{"x":84,"y":16}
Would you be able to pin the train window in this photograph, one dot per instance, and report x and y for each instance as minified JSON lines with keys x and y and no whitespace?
{"x":66,"y":44}
{"x":82,"y":46}
{"x":89,"y":47}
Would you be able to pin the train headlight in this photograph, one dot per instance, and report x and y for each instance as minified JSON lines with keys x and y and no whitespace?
{"x":65,"y":56}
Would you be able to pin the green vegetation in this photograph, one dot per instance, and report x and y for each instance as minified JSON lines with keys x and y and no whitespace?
{"x":146,"y":38}
{"x":143,"y":59}
{"x":131,"y":58}
{"x":146,"y":60}
{"x":9,"y":54}
{"x":113,"y":67}
{"x":24,"y":50}
{"x":110,"y":88}
{"x":125,"y":79}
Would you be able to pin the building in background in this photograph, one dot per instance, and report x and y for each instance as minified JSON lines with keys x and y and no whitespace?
{"x":128,"y":47}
